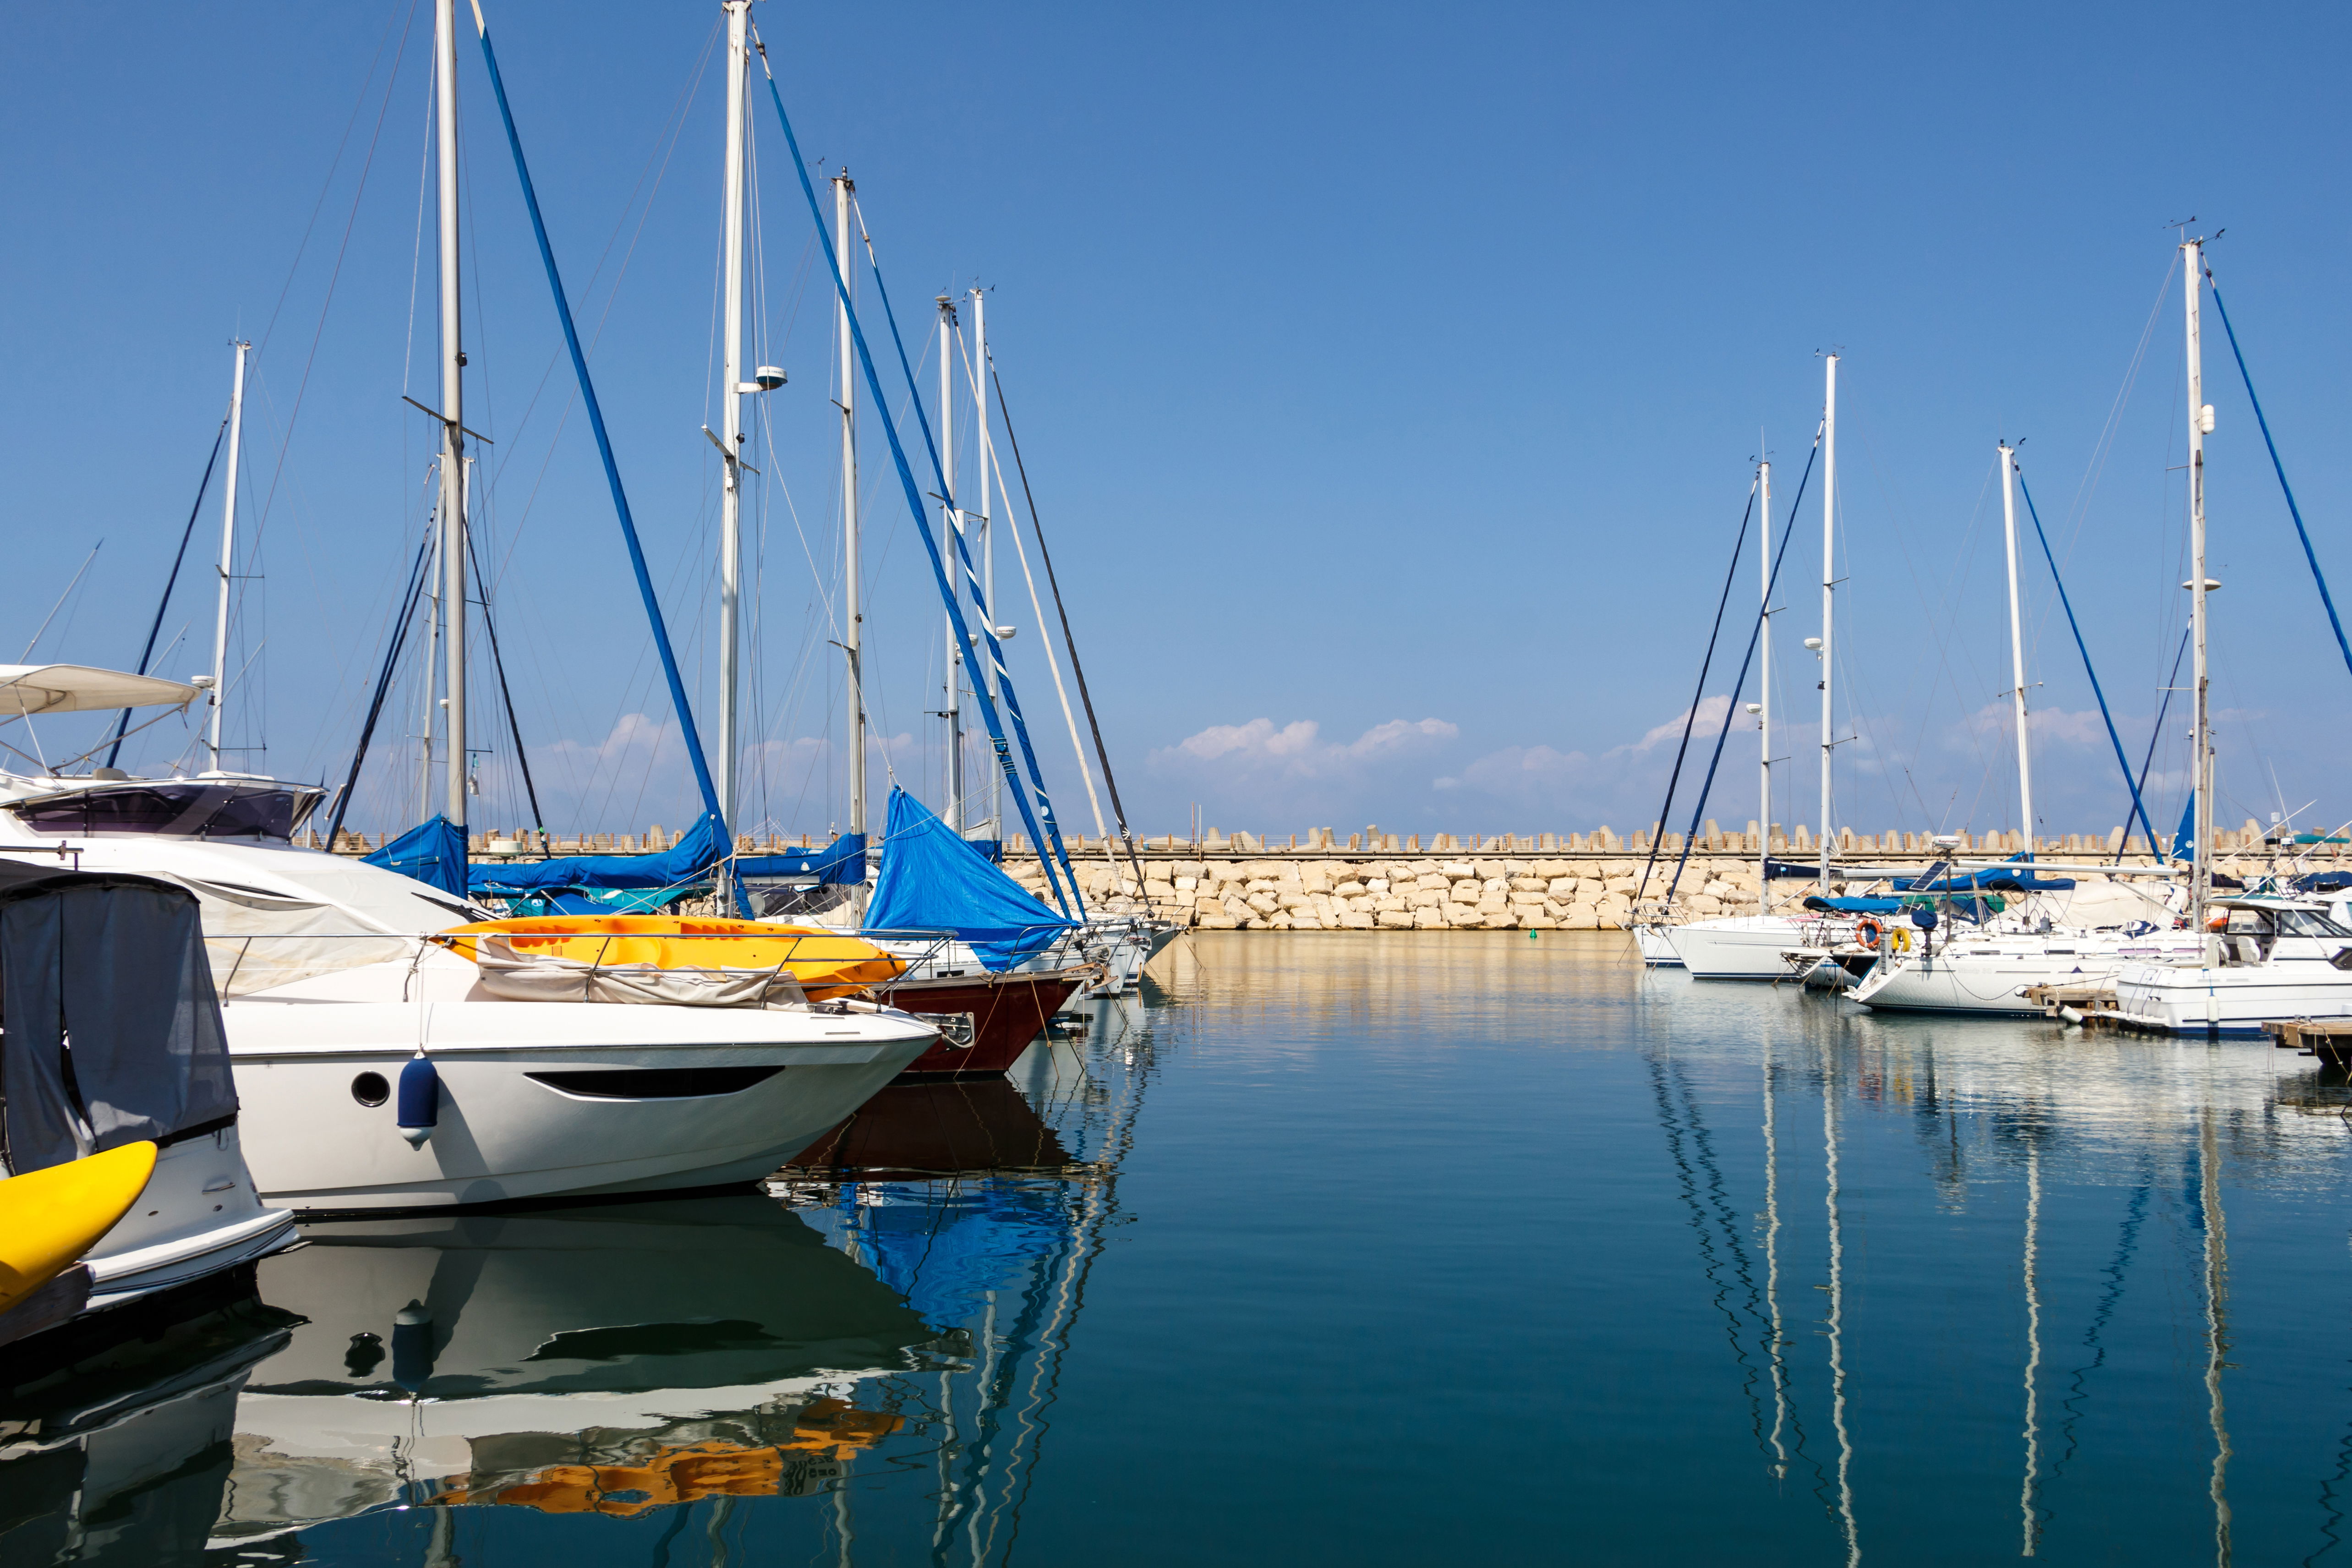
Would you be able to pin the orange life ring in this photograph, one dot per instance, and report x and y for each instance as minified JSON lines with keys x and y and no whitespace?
{"x":1867,"y":931}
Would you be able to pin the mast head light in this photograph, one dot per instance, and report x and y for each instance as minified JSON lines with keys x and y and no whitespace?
{"x":2205,"y":420}
{"x":1814,"y":643}
{"x":1753,"y":707}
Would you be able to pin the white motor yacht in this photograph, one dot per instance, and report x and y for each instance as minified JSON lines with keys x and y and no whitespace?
{"x":331,"y":986}
{"x":2279,"y":957}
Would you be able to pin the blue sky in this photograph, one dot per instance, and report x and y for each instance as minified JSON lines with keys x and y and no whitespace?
{"x":1388,"y":377}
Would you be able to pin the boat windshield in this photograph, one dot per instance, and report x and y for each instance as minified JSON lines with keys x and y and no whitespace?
{"x":182,"y":807}
{"x":2308,"y":923}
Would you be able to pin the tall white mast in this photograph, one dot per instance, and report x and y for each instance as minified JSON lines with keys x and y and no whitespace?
{"x":452,"y":409}
{"x":2017,"y":645}
{"x":979,"y":449}
{"x":953,"y":711}
{"x":2201,"y":420}
{"x":852,"y":612}
{"x":731,"y":419}
{"x":228,"y":547}
{"x":1764,"y":698}
{"x":426,"y":725}
{"x":1829,"y":600}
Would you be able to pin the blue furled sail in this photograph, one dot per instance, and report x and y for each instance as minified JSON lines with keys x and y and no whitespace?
{"x":433,"y":853}
{"x":689,"y":861}
{"x":2184,"y":840}
{"x":842,"y":861}
{"x":932,"y":881}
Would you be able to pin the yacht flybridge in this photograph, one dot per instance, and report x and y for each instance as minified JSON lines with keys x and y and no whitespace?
{"x":335,"y":992}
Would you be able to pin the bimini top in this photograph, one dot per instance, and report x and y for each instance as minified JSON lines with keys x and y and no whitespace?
{"x":74,"y":688}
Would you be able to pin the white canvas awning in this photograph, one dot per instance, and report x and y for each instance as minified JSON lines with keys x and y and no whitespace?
{"x":73,"y":688}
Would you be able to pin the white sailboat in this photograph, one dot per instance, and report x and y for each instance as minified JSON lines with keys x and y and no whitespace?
{"x":1765,"y":945}
{"x":1989,"y":969}
{"x":2259,"y":958}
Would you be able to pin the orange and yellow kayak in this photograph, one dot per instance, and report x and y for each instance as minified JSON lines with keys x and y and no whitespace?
{"x":826,"y":963}
{"x":49,"y":1218}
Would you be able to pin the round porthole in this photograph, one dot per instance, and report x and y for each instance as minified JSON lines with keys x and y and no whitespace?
{"x":369,"y":1089}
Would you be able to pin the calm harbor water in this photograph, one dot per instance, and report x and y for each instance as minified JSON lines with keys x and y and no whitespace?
{"x":1391,"y":1248}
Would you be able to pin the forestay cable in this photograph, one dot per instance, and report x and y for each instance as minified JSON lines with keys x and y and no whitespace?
{"x":907,"y":476}
{"x":2293,"y":510}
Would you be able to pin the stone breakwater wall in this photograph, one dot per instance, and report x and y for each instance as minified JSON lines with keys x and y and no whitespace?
{"x":1301,"y":892}
{"x":1407,"y":893}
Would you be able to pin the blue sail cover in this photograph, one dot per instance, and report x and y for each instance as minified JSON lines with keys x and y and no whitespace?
{"x":686,"y":862}
{"x":433,"y":853}
{"x":842,"y":861}
{"x":933,"y":881}
{"x":2184,"y":838}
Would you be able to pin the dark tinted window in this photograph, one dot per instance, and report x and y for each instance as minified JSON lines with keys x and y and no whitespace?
{"x":191,"y":808}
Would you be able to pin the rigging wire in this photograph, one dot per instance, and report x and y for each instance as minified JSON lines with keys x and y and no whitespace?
{"x":123,"y":725}
{"x":498,"y":662}
{"x":382,"y":681}
{"x":1690,"y":718}
{"x":2280,"y":468}
{"x":1069,"y":641}
{"x":2076,"y":626}
{"x":1707,"y":786}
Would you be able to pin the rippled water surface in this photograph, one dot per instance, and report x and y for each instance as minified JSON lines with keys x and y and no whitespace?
{"x":1334,"y":1247}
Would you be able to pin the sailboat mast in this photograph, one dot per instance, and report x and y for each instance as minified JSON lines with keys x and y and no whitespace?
{"x":228,"y":547}
{"x":953,"y":711}
{"x":731,"y":419}
{"x":453,"y":409}
{"x":853,"y":612}
{"x":1764,"y":698}
{"x":2017,"y":645}
{"x":1828,"y":602}
{"x":979,"y":451}
{"x":2201,"y":420}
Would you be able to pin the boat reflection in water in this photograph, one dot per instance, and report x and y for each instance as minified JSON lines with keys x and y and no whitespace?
{"x":115,"y":1435}
{"x":593,"y":1360}
{"x":881,"y":1341}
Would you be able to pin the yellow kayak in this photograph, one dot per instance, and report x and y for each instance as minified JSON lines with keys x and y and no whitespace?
{"x":49,"y":1218}
{"x":826,"y":963}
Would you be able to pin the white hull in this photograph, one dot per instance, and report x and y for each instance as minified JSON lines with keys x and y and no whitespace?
{"x":1991,"y":977}
{"x":198,"y":1215}
{"x":1656,"y":948}
{"x":338,"y":1005}
{"x":1743,"y":947}
{"x":2231,"y":1000}
{"x":505,"y":1132}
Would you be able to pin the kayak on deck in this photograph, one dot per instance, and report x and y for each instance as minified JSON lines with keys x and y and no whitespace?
{"x":50,"y":1216}
{"x":827,"y":964}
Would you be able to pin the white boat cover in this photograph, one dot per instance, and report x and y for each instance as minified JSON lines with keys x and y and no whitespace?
{"x":72,"y":688}
{"x":257,"y":940}
{"x":545,"y":978}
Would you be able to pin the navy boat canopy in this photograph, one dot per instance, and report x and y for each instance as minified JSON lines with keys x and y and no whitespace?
{"x":686,"y":861}
{"x":931,"y":879}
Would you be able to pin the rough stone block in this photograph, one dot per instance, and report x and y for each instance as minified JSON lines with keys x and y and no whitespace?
{"x":1395,"y":919}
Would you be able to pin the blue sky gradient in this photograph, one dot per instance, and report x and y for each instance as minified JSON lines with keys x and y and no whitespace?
{"x":1389,"y":378}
